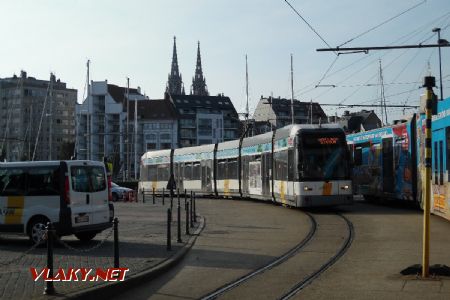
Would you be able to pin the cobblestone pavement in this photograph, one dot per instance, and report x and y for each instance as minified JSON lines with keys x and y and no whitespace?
{"x":142,"y":236}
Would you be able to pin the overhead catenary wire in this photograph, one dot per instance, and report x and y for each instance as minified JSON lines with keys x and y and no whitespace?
{"x":423,"y":28}
{"x":382,"y":23}
{"x":309,"y":25}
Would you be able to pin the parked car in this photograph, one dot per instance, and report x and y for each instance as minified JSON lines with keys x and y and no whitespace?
{"x":120,"y":193}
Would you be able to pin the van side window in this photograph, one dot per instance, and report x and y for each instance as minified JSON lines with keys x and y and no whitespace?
{"x":43,"y":181}
{"x":12,"y":182}
{"x":88,"y":179}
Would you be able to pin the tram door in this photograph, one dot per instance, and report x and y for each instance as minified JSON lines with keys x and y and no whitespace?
{"x":438,"y":183}
{"x":266,"y":170}
{"x":388,"y":166}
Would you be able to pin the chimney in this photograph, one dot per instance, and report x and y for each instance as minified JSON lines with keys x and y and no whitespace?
{"x":346,"y":113}
{"x":139,"y":90}
{"x":23,"y":74}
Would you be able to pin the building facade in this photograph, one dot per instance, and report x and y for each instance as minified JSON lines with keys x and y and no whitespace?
{"x":205,"y":119}
{"x":107,"y":122}
{"x":37,"y":118}
{"x":271,"y":113}
{"x":362,"y":120}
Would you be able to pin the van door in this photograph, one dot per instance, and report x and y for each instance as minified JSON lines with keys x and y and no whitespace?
{"x":88,"y":194}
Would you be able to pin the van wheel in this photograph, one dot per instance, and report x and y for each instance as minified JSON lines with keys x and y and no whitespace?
{"x":37,"y":230}
{"x":86,"y":236}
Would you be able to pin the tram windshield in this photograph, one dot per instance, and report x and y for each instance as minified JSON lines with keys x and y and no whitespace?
{"x":323,"y":157}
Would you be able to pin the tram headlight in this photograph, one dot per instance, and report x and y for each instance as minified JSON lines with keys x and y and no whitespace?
{"x":307,"y":188}
{"x":345,"y":187}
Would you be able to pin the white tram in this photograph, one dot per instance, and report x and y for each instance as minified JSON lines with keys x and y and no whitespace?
{"x":298,"y":165}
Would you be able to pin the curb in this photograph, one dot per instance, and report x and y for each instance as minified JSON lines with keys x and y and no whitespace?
{"x":113,"y":289}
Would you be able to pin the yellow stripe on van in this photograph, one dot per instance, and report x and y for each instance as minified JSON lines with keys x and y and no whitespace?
{"x":15,"y":203}
{"x":327,"y":188}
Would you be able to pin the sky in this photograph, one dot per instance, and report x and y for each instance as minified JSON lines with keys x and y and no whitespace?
{"x":134,"y":39}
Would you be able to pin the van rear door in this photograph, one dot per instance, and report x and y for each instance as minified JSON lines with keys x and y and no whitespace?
{"x":89,"y":193}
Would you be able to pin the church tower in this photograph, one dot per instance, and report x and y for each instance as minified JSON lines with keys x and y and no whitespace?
{"x":198,"y":81}
{"x":175,"y":83}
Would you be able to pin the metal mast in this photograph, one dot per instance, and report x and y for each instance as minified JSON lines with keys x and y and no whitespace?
{"x":292,"y":90}
{"x":382,"y":97}
{"x":246,"y":88}
{"x":128,"y":130}
{"x":50,"y":118}
{"x":88,"y":119}
{"x":135,"y":138}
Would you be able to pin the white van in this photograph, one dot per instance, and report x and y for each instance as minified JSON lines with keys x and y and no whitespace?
{"x":75,"y":195}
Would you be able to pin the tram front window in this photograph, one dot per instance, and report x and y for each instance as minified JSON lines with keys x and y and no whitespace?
{"x":323,"y":157}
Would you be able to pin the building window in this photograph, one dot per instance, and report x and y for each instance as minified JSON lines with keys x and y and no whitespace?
{"x":151,"y":146}
{"x":166,"y":145}
{"x":205,"y":127}
{"x":150,"y":137}
{"x":165,"y":136}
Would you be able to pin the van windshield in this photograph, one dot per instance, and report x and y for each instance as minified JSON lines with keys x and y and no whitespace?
{"x":88,"y":179}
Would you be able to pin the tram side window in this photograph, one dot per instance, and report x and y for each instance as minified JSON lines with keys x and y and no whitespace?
{"x":196,"y":171}
{"x":441,"y":163}
{"x":358,"y":156}
{"x":221,"y":170}
{"x":291,"y":165}
{"x":280,"y":165}
{"x":435,"y":163}
{"x":12,"y":182}
{"x":163,"y":172}
{"x":152,"y":173}
{"x":232,"y":169}
{"x":43,"y":181}
{"x":447,"y":133}
{"x":187,"y":171}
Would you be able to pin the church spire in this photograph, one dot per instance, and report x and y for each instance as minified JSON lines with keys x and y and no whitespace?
{"x":175,"y":82}
{"x":198,"y":81}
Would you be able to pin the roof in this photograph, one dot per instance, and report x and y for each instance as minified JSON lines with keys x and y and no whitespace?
{"x":153,"y":109}
{"x":118,"y":93}
{"x":219,"y":102}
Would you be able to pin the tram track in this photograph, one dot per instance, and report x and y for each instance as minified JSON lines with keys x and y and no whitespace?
{"x":309,"y":279}
{"x":279,"y":260}
{"x":292,"y":253}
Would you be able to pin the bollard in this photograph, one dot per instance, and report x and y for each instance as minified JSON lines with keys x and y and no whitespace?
{"x":163,"y":195}
{"x":49,"y":287}
{"x":153,"y":195}
{"x":169,"y":238}
{"x":187,"y":218}
{"x":179,"y":222}
{"x":195,"y":209}
{"x":143,"y":195}
{"x":185,"y":199}
{"x":190,"y":214}
{"x":116,"y":242}
{"x":171,"y":200}
{"x":178,"y":195}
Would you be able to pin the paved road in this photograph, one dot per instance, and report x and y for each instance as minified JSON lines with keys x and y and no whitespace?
{"x":142,"y":235}
{"x":241,"y":236}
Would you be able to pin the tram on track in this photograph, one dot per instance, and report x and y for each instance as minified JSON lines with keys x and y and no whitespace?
{"x":297,"y":165}
{"x":389,"y":161}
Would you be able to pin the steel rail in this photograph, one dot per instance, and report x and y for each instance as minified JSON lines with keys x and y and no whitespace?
{"x":310,"y":278}
{"x":229,"y":286}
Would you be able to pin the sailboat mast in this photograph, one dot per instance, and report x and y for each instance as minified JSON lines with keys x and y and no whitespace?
{"x":246,"y":88}
{"x":292,"y":90}
{"x":88,"y":121}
